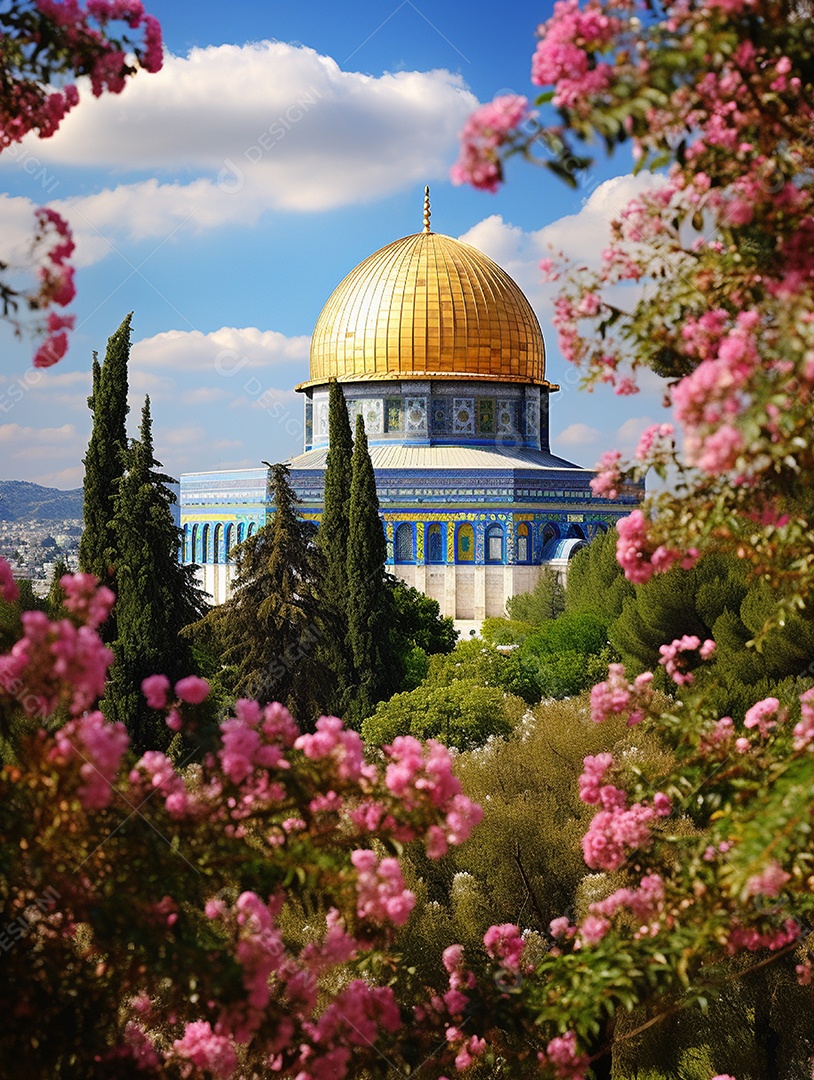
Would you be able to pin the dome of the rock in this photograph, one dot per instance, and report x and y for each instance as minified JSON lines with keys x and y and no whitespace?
{"x":428,"y":307}
{"x":436,"y":350}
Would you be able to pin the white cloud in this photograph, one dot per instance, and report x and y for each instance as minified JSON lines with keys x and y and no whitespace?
{"x":238,"y":130}
{"x":222,"y":357}
{"x":39,"y":454}
{"x":581,"y":237}
{"x":203,"y":395}
{"x":577,"y":435}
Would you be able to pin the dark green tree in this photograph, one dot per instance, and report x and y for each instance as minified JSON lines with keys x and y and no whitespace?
{"x":104,"y":461}
{"x":270,"y":628}
{"x":418,"y":631}
{"x":595,"y":580}
{"x":157,"y":595}
{"x":56,"y":594}
{"x":334,"y":651}
{"x":369,"y":604}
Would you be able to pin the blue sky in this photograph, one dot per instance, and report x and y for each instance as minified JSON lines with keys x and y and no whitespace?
{"x":223,"y":199}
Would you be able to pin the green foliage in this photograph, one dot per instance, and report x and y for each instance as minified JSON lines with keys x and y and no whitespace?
{"x":523,"y":864}
{"x":418,"y":629}
{"x":104,"y":460}
{"x":269,"y":630}
{"x":499,"y":631}
{"x":715,"y":600}
{"x":546,"y":601}
{"x":482,"y":663}
{"x":463,"y":715}
{"x":595,"y":580}
{"x":369,"y":606}
{"x":567,"y":655}
{"x":157,"y":595}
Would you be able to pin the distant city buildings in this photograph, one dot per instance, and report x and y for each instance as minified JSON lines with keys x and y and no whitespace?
{"x":33,"y":548}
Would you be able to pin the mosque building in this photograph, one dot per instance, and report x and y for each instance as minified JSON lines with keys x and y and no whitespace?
{"x":441,"y":353}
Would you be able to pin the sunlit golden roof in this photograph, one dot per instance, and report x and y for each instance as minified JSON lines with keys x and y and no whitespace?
{"x":427,"y":306}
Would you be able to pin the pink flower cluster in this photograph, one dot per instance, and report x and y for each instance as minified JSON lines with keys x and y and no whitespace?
{"x":460,"y":980}
{"x":485,"y":131}
{"x":8,"y":586}
{"x":674,"y":659}
{"x":56,"y":286}
{"x":204,"y":1049}
{"x":645,"y":902}
{"x":417,"y":772}
{"x":564,"y":53}
{"x":155,"y":772}
{"x":595,"y":768}
{"x":608,"y":477}
{"x":355,"y":1016}
{"x":758,"y":715}
{"x":255,"y":738}
{"x":86,"y":599}
{"x":345,"y":748}
{"x":768,"y":882}
{"x":382,"y":894}
{"x":637,"y":556}
{"x":101,"y":747}
{"x":708,"y":401}
{"x":561,"y":1054}
{"x":747,"y":937}
{"x":653,"y":445}
{"x":505,"y":944}
{"x":804,"y":730}
{"x":616,"y":695}
{"x":53,"y":657}
{"x":611,"y":832}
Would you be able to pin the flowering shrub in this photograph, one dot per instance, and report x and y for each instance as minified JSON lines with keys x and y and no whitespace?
{"x":45,"y":42}
{"x":146,"y":900}
{"x":708,"y":279}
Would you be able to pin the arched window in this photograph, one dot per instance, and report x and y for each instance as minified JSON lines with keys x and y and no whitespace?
{"x":550,"y":532}
{"x":241,"y":532}
{"x":216,"y":543}
{"x":404,"y":543}
{"x":205,"y":544}
{"x":576,"y":532}
{"x":189,"y":544}
{"x":494,"y":544}
{"x":435,"y":544}
{"x":229,"y":542}
{"x":523,"y":545}
{"x":465,"y":543}
{"x":251,"y":530}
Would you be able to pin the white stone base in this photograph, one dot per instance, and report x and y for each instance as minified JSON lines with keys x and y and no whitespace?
{"x":470,"y":594}
{"x":467,"y":594}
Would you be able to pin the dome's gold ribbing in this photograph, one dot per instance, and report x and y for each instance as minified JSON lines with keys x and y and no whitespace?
{"x":428,"y":307}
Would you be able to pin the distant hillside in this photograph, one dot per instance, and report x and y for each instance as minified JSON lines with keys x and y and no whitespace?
{"x":21,"y":501}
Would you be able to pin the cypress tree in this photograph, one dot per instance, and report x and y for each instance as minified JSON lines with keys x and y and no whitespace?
{"x":369,"y":604}
{"x":334,"y":652}
{"x":270,"y":627}
{"x":56,"y":594}
{"x":104,"y":460}
{"x":157,"y":595}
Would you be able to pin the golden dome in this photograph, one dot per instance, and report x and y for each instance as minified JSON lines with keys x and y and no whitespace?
{"x":427,"y":307}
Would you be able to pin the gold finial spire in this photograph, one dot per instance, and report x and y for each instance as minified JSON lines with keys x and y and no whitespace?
{"x":426,"y":209}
